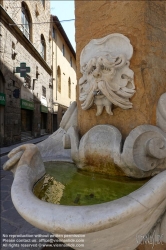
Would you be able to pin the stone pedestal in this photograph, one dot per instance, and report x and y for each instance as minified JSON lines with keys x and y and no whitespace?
{"x":143,"y":22}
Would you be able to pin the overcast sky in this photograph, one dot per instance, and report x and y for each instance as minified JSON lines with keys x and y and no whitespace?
{"x":64,"y":10}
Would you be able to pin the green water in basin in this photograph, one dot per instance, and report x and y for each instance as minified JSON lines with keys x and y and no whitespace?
{"x":66,"y":185}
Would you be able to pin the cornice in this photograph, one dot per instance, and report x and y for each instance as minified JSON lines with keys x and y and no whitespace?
{"x":63,"y":33}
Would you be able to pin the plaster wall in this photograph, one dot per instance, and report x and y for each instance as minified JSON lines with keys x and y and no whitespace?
{"x":143,"y":22}
{"x":66,"y":71}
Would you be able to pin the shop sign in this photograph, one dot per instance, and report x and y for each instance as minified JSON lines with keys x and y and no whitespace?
{"x":27,"y":105}
{"x":44,"y":109}
{"x":2,"y":99}
{"x":23,"y":70}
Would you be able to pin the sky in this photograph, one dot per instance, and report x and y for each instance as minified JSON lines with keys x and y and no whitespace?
{"x":64,"y":10}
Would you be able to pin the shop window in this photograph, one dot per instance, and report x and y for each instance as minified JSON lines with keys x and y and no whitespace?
{"x":69,"y":88}
{"x":59,"y":79}
{"x":43,"y":48}
{"x":43,"y":123}
{"x":25,"y":20}
{"x":43,"y":91}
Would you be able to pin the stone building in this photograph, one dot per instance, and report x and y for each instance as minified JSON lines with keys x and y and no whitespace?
{"x":25,"y":39}
{"x":26,"y":66}
{"x":64,"y":71}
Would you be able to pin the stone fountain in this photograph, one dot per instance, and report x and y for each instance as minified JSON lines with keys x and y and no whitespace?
{"x":107,"y":85}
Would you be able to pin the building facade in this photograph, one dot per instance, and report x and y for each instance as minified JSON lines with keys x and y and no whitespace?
{"x":28,"y":106}
{"x":64,"y":71}
{"x":25,"y":48}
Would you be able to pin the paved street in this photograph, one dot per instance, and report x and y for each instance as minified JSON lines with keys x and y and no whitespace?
{"x":14,"y":229}
{"x":11,"y":222}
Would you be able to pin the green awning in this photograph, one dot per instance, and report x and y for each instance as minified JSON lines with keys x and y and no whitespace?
{"x":2,"y":99}
{"x":43,"y":109}
{"x":26,"y":104}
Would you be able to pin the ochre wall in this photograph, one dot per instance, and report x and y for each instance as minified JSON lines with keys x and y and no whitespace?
{"x":66,"y":71}
{"x":143,"y":22}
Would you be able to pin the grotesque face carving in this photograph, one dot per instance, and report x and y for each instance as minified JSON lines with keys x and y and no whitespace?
{"x":106,"y":80}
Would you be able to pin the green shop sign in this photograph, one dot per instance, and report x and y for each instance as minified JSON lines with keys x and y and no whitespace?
{"x":23,"y":70}
{"x":27,"y":105}
{"x":2,"y":99}
{"x":44,"y":109}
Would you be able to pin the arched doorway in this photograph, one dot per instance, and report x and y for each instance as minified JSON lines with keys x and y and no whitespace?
{"x":2,"y":107}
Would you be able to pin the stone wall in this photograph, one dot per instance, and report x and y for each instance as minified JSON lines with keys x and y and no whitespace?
{"x":28,"y":52}
{"x":40,"y":17}
{"x":143,"y":22}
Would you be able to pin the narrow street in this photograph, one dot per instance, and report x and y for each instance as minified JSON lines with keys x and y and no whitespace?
{"x":11,"y":222}
{"x":14,"y":229}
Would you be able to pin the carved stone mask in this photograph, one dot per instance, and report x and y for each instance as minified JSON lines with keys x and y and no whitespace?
{"x":106,"y":78}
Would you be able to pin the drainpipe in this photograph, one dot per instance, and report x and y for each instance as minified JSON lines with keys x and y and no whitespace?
{"x":56,"y":61}
{"x":53,"y":69}
{"x":52,"y":80}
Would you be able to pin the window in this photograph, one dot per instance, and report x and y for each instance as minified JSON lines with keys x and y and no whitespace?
{"x":25,"y":20}
{"x":37,"y":72}
{"x":13,"y":51}
{"x":28,"y":81}
{"x":33,"y":86}
{"x":43,"y":91}
{"x":69,"y":88}
{"x":59,"y":79}
{"x":71,"y":62}
{"x":63,"y":50}
{"x":13,"y":45}
{"x":43,"y":48}
{"x":53,"y":33}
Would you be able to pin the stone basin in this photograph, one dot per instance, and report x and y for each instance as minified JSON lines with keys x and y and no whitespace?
{"x":118,"y":224}
{"x":65,"y":184}
{"x":104,"y":225}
